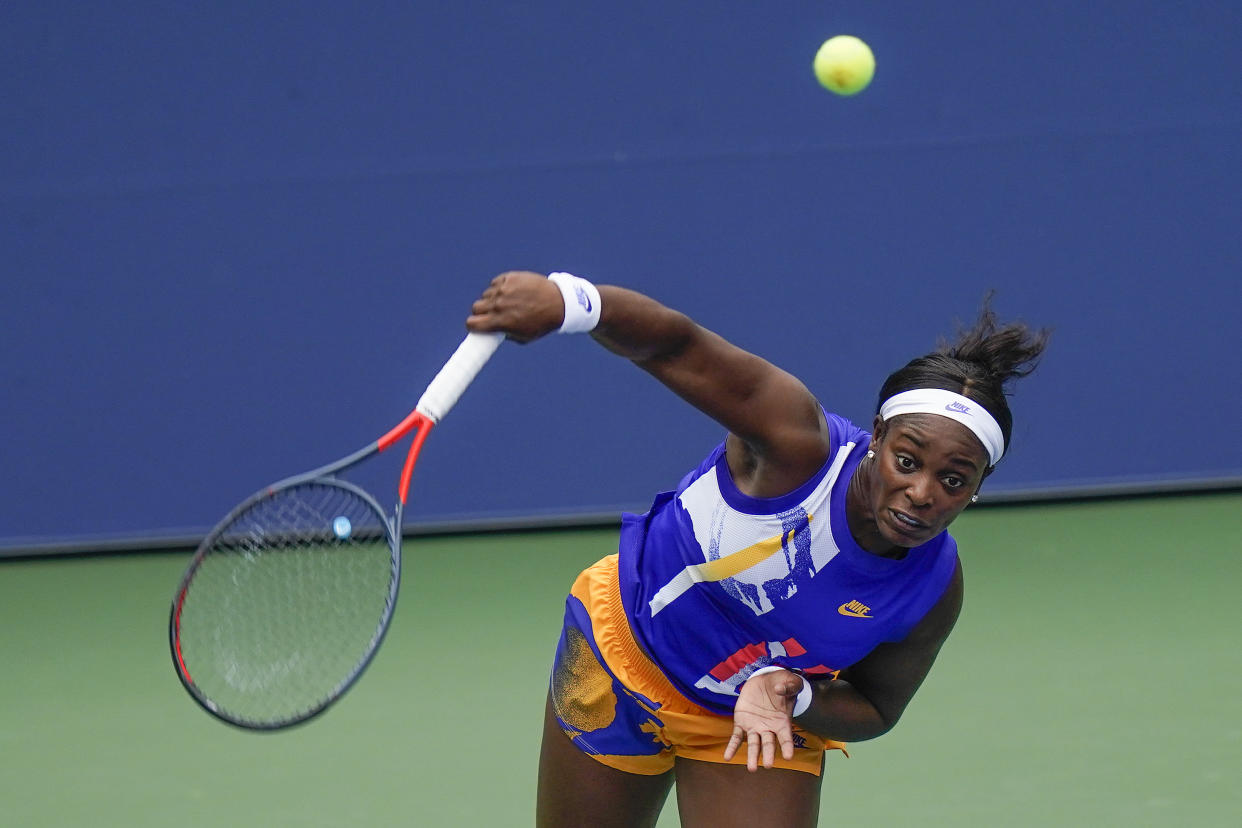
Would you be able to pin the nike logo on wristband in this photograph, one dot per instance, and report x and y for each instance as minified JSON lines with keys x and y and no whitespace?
{"x":583,"y":299}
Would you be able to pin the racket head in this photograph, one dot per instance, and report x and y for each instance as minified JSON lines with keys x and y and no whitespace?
{"x":285,"y":602}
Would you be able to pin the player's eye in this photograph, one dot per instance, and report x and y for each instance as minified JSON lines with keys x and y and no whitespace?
{"x":954,"y":482}
{"x":905,"y":463}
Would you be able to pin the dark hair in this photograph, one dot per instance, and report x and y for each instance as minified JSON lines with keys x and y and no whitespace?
{"x":979,"y":365}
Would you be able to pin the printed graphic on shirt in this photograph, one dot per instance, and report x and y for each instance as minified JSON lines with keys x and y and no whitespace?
{"x":795,"y":535}
{"x":729,"y":675}
{"x":795,"y":544}
{"x":759,"y":560}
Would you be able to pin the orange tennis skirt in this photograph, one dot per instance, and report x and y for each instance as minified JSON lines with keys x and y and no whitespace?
{"x":618,"y":707}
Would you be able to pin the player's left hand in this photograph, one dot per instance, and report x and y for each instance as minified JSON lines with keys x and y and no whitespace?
{"x":762,"y":717}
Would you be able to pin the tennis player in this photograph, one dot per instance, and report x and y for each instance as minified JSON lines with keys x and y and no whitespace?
{"x":788,"y":597}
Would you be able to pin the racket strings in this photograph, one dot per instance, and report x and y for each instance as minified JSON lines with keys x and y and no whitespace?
{"x":287,"y":605}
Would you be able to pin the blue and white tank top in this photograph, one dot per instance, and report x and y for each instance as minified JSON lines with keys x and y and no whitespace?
{"x":717,"y":584}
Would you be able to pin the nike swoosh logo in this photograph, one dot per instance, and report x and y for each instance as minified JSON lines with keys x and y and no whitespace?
{"x":844,"y":609}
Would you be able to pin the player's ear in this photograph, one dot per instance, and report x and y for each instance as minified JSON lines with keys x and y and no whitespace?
{"x":974,"y":498}
{"x":878,"y":428}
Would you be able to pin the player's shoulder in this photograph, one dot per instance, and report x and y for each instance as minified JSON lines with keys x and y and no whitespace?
{"x":843,"y":431}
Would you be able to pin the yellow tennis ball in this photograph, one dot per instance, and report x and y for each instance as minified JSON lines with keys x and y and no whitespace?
{"x":844,"y":64}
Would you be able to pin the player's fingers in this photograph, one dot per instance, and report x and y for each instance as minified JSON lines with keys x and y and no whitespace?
{"x":769,"y":749}
{"x":482,"y":322}
{"x":787,"y":744}
{"x":791,"y":686}
{"x":491,"y":323}
{"x":752,"y":751}
{"x":735,"y":741}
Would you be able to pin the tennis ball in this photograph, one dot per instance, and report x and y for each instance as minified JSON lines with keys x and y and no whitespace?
{"x":844,"y":64}
{"x":342,"y":527}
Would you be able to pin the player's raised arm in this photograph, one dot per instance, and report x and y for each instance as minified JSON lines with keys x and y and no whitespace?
{"x":779,"y":424}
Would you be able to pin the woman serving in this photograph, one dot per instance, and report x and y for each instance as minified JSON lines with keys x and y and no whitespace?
{"x":790,"y":595}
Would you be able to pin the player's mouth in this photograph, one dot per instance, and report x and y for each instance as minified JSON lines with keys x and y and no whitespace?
{"x":907,"y":524}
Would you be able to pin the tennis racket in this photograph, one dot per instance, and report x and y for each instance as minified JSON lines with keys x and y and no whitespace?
{"x":287,"y":599}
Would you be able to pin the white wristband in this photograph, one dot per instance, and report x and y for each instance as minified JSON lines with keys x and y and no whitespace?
{"x":581,"y":302}
{"x":804,"y":695}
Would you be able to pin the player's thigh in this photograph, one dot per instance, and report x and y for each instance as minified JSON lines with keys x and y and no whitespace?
{"x":576,"y":790}
{"x":716,"y":794}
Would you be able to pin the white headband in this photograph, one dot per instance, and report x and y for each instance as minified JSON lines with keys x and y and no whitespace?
{"x":966,"y":411}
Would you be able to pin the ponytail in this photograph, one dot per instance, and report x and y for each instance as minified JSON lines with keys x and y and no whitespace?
{"x":981,"y":364}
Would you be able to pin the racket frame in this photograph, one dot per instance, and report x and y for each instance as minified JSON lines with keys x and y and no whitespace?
{"x":392,"y":531}
{"x":441,"y":395}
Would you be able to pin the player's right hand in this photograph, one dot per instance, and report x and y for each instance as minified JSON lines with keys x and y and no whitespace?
{"x":522,"y":305}
{"x":761,"y":718}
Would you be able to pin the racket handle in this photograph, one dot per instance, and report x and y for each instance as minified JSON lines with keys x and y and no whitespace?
{"x":460,"y":370}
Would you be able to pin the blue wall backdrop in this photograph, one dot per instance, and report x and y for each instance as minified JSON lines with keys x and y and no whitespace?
{"x":237,"y":239}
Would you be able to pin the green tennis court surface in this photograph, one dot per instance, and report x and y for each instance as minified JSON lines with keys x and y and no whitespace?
{"x":1094,"y":680}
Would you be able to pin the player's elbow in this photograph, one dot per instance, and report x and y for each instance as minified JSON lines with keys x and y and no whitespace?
{"x":886,"y":721}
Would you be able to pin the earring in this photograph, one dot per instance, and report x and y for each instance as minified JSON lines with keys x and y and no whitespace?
{"x":870,"y":455}
{"x":974,"y":498}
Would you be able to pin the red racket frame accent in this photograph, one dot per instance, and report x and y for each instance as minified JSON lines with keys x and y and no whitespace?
{"x":424,"y":425}
{"x":177,"y":635}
